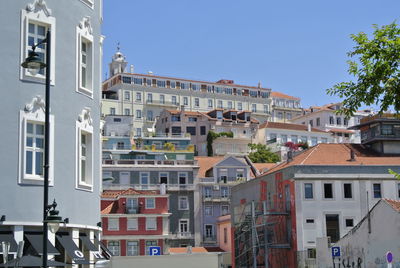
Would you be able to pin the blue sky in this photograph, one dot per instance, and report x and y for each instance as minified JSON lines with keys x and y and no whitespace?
{"x":295,"y":47}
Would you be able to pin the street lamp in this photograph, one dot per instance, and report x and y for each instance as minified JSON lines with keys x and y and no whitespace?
{"x":33,"y":63}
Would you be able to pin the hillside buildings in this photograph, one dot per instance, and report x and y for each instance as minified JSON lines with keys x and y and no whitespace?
{"x":284,"y":107}
{"x":144,"y":96}
{"x":74,"y":176}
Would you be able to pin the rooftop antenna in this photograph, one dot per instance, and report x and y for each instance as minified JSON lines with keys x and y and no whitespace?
{"x":118,"y":46}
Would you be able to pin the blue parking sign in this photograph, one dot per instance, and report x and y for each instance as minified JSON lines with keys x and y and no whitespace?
{"x":154,"y":251}
{"x":335,"y":251}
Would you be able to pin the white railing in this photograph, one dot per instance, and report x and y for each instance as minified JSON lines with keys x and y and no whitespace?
{"x":137,"y":162}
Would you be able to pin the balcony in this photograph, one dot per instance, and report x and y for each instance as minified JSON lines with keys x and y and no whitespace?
{"x":183,"y":235}
{"x":210,"y":239}
{"x":216,"y":198}
{"x":169,"y":187}
{"x":149,"y":162}
{"x":135,"y":210}
{"x":261,"y":112}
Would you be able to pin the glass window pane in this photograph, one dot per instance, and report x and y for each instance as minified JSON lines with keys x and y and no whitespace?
{"x":41,"y":30}
{"x":83,"y":170}
{"x":29,"y":141}
{"x":28,"y":165}
{"x":40,"y":129}
{"x":39,"y":143}
{"x":31,"y":41}
{"x":39,"y":163}
{"x":29,"y":128}
{"x":31,"y":28}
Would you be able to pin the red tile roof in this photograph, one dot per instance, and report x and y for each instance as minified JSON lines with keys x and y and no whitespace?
{"x":276,"y":94}
{"x":263,"y":167}
{"x":395,"y":204}
{"x":205,"y":163}
{"x":341,"y":130}
{"x":299,"y":127}
{"x":130,"y":191}
{"x":338,"y":154}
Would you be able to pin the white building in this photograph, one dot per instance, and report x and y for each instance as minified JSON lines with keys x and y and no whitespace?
{"x":284,"y":107}
{"x":144,"y":96}
{"x":325,"y":118}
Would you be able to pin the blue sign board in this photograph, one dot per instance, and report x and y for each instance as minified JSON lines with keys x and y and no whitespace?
{"x":155,"y":251}
{"x":335,"y":251}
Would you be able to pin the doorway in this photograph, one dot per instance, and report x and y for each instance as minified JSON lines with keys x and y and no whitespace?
{"x":332,"y":227}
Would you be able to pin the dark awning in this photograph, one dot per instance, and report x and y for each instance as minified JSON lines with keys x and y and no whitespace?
{"x":36,"y":241}
{"x":31,"y":261}
{"x":91,"y":247}
{"x":10,"y":239}
{"x":106,"y":252}
{"x":72,"y":249}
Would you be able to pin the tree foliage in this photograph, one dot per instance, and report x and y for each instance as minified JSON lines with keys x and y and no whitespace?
{"x":260,"y":153}
{"x":375,"y":67}
{"x":211,"y":136}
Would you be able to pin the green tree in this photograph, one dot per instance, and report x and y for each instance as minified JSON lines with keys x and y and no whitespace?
{"x":260,"y":153}
{"x":375,"y":68}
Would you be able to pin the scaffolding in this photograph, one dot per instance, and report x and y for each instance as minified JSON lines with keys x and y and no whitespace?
{"x":262,"y":235}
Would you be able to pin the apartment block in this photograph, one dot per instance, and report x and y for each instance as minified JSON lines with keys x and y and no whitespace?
{"x":284,"y":107}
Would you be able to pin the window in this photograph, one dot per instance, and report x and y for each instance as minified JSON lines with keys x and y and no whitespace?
{"x":185,"y":101}
{"x":196,"y":102}
{"x":239,"y":105}
{"x":127,"y":111}
{"x":331,"y":120}
{"x":208,"y":210}
{"x":113,"y":224}
{"x":387,"y":130}
{"x":138,"y":96}
{"x":240,"y":173}
{"x":150,"y":203}
{"x":207,"y":192}
{"x":349,"y":222}
{"x":138,"y":132}
{"x":280,"y":115}
{"x":324,"y":140}
{"x":144,"y":179}
{"x":229,"y":105}
{"x":85,"y":58}
{"x":328,"y":190}
{"x":151,"y":223}
{"x":224,"y":192}
{"x":314,"y":141}
{"x":219,"y":114}
{"x":162,"y":99}
{"x":113,"y":246}
{"x":138,"y":81}
{"x":312,"y":253}
{"x":225,"y":235}
{"x":192,"y":119}
{"x":183,"y":203}
{"x":289,"y":116}
{"x":210,"y":103}
{"x":120,"y":145}
{"x":220,"y":104}
{"x":149,"y":97}
{"x":127,"y":95}
{"x":209,"y":230}
{"x":345,"y":121}
{"x":209,"y":89}
{"x":294,"y":138}
{"x":84,"y":165}
{"x":183,"y":226}
{"x":191,"y":130}
{"x":132,"y":248}
{"x":148,"y":82}
{"x":34,"y":25}
{"x":164,"y":177}
{"x":303,"y":139}
{"x":195,"y":87}
{"x":132,"y":224}
{"x":160,"y":83}
{"x":112,"y":111}
{"x":182,"y":178}
{"x":150,"y":115}
{"x":338,"y":120}
{"x":254,"y":108}
{"x":202,"y":130}
{"x":377,"y":190}
{"x":311,"y":122}
{"x":224,"y":210}
{"x":126,"y":80}
{"x":173,"y":100}
{"x":173,"y":84}
{"x":150,"y":243}
{"x":318,"y":121}
{"x":308,"y":191}
{"x":34,"y":150}
{"x":228,"y":91}
{"x":131,"y":203}
{"x":138,"y":114}
{"x":347,"y":191}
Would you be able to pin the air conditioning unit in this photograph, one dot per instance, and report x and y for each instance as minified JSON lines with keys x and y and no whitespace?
{"x":216,"y":187}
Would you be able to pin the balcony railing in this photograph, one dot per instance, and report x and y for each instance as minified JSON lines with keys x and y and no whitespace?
{"x":162,"y":103}
{"x":216,"y":198}
{"x":169,"y":187}
{"x":183,"y":235}
{"x":139,"y":162}
{"x":210,"y":238}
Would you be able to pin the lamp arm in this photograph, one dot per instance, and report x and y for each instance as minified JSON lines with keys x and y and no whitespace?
{"x":38,"y":44}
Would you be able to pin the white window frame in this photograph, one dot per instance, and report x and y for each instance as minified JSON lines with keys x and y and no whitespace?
{"x":132,"y":224}
{"x":352,"y":191}
{"x":84,"y":35}
{"x":115,"y":226}
{"x":84,"y":126}
{"x":186,"y":201}
{"x":147,"y":203}
{"x":127,"y":95}
{"x":131,"y":252}
{"x":163,"y":173}
{"x":210,"y":209}
{"x":117,"y":245}
{"x":187,"y":224}
{"x":348,"y":218}
{"x":89,"y":3}
{"x":38,"y":15}
{"x":304,"y":191}
{"x":148,"y":221}
{"x":222,"y":210}
{"x":34,"y":113}
{"x":186,"y":176}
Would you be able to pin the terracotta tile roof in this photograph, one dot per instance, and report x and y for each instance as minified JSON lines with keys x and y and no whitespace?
{"x":130,"y":191}
{"x":276,"y":94}
{"x":338,"y":154}
{"x":110,"y":209}
{"x":341,"y":130}
{"x":185,"y":112}
{"x":299,"y":127}
{"x":195,"y":250}
{"x":264,"y":167}
{"x":395,"y":204}
{"x":205,"y":163}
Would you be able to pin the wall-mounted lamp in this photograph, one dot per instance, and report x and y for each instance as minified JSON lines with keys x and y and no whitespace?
{"x":99,"y":224}
{"x":66,"y":220}
{"x":3,"y":218}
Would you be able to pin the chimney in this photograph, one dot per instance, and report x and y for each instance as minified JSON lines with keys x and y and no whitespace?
{"x":289,"y":156}
{"x":309,"y":127}
{"x":352,"y":155}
